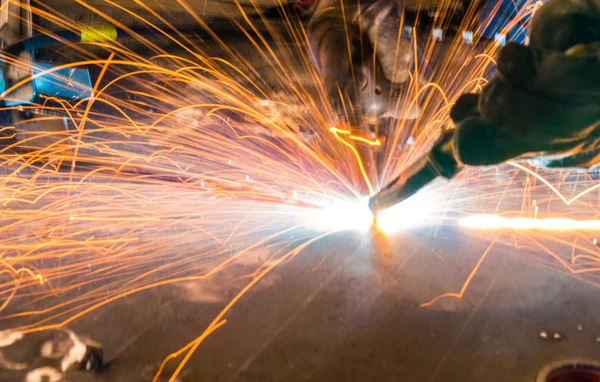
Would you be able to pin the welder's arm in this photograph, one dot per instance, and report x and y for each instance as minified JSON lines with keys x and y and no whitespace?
{"x":543,"y":106}
{"x":553,"y":127}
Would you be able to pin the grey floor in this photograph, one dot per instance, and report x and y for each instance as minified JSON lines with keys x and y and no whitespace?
{"x":348,"y":309}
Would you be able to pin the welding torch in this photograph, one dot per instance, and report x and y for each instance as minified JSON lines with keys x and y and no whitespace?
{"x":438,"y":162}
{"x":542,"y":106}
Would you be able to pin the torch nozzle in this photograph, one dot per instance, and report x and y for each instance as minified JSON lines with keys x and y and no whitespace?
{"x":438,"y":162}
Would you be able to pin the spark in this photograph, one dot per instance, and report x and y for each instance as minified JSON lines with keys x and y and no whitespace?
{"x":185,"y":163}
{"x":351,"y":136}
{"x":460,"y":294}
{"x":551,"y":187}
{"x":493,"y":222}
{"x":335,"y":131}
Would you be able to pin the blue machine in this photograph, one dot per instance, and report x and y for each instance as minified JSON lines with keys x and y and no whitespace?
{"x":50,"y":81}
{"x":70,"y":83}
{"x":47,"y":79}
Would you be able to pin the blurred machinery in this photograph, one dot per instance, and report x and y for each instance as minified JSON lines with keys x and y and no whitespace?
{"x":22,"y":43}
{"x":48,"y":355}
{"x":25,"y":81}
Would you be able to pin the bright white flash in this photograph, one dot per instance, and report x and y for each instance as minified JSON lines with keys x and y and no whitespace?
{"x":415,"y":211}
{"x":342,"y":216}
{"x":493,"y":222}
{"x":419,"y":210}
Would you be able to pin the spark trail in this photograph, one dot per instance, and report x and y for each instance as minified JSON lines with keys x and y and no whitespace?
{"x":193,"y":156}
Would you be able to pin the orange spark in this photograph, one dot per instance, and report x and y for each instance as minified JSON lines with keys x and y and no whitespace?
{"x":335,"y":131}
{"x":460,"y":294}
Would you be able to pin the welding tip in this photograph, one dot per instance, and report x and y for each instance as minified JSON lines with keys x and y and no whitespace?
{"x":438,"y":162}
{"x":404,"y":186}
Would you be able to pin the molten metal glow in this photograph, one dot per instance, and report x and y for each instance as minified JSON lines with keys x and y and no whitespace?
{"x":341,"y":216}
{"x":493,"y":222}
{"x":418,"y":210}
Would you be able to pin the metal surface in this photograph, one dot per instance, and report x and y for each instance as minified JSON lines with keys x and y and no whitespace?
{"x":347,"y":308}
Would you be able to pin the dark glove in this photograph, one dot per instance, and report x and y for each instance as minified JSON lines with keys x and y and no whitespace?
{"x":545,"y":102}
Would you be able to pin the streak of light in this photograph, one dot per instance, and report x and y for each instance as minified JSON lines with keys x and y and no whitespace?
{"x":493,"y":222}
{"x":336,"y":133}
{"x":358,"y":138}
{"x":219,"y":318}
{"x":460,"y":294}
{"x":193,"y":343}
{"x":550,"y":186}
{"x":418,"y":210}
{"x":341,"y":216}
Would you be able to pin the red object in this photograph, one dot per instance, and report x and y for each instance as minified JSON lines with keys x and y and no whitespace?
{"x":575,"y":373}
{"x":305,"y":4}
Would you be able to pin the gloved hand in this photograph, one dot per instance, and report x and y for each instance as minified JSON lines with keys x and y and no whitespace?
{"x":545,"y":103}
{"x":363,"y":65}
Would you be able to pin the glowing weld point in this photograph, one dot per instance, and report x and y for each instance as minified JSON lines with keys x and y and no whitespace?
{"x":493,"y":222}
{"x":437,"y":34}
{"x":416,"y":211}
{"x":342,"y":216}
